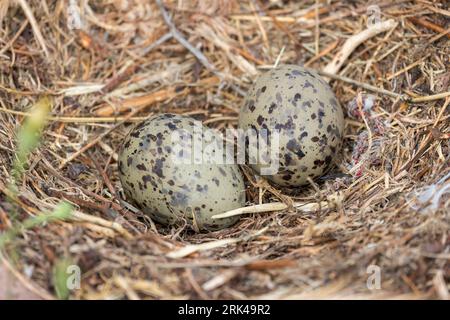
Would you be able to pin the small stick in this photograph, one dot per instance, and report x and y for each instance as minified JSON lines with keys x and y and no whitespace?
{"x":78,"y":201}
{"x":395,"y":47}
{"x":141,"y":101}
{"x":270,"y":264}
{"x":4,"y":220}
{"x":192,"y":248}
{"x":324,"y":52}
{"x":119,"y":78}
{"x":35,"y":26}
{"x":428,"y":25}
{"x":158,"y":42}
{"x":260,"y":25}
{"x":309,"y":14}
{"x":440,"y":11}
{"x":31,"y":286}
{"x":97,"y":139}
{"x":317,"y":28}
{"x":104,"y":175}
{"x":89,"y":193}
{"x":197,"y":53}
{"x":439,"y":35}
{"x":283,"y":28}
{"x":201,"y":293}
{"x":123,"y":283}
{"x":219,"y":280}
{"x":106,"y":202}
{"x":353,"y":42}
{"x":146,"y":80}
{"x":102,"y":222}
{"x":412,"y":65}
{"x":115,"y":81}
{"x":248,"y":55}
{"x":273,"y":206}
{"x":11,"y":42}
{"x":77,"y":119}
{"x":361,"y":84}
{"x":359,"y":10}
{"x":366,"y":155}
{"x":178,"y":36}
{"x":427,"y":141}
{"x":383,"y":91}
{"x":158,"y":96}
{"x":279,"y":57}
{"x":432,"y":97}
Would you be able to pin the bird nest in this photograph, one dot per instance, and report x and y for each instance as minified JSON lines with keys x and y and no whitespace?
{"x":376,"y":226}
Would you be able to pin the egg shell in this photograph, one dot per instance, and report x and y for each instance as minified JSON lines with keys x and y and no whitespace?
{"x":300,"y":106}
{"x":171,"y":192}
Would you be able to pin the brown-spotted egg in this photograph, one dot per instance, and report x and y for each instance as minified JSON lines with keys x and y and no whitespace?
{"x":300,"y":106}
{"x":155,"y":178}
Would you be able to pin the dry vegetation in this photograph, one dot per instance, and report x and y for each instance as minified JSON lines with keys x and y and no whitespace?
{"x":386,"y":203}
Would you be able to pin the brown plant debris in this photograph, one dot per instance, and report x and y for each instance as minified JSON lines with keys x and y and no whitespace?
{"x":118,"y":62}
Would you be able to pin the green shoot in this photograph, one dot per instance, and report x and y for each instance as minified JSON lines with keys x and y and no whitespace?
{"x":60,"y":277}
{"x":62,"y":211}
{"x":29,"y":134}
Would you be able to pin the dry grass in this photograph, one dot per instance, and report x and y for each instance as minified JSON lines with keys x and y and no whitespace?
{"x":127,"y":64}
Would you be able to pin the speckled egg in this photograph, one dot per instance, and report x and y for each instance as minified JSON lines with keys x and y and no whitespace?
{"x":166,"y":175}
{"x":301,"y":107}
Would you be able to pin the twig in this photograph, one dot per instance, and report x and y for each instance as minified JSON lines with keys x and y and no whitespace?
{"x":439,"y":35}
{"x":76,"y":200}
{"x":98,"y":138}
{"x":77,"y":119}
{"x":179,"y":37}
{"x":37,"y":32}
{"x":11,"y":42}
{"x":219,"y":280}
{"x":412,"y":65}
{"x":317,"y":29}
{"x":383,"y":91}
{"x":432,"y":97}
{"x":106,"y":202}
{"x":158,"y":42}
{"x":197,"y":53}
{"x":440,"y":11}
{"x":428,"y":25}
{"x":324,"y":52}
{"x":395,"y":47}
{"x":190,"y":249}
{"x":115,"y":81}
{"x":199,"y":290}
{"x":361,"y":84}
{"x":102,"y":222}
{"x":263,"y":32}
{"x":141,"y":101}
{"x":278,"y":206}
{"x":119,"y":78}
{"x":104,"y":175}
{"x":149,"y":79}
{"x":277,"y":61}
{"x":427,"y":141}
{"x":270,"y":264}
{"x":353,"y":42}
{"x":123,"y":283}
{"x":31,"y":286}
{"x":151,"y":98}
{"x":365,"y":156}
{"x":339,"y":16}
